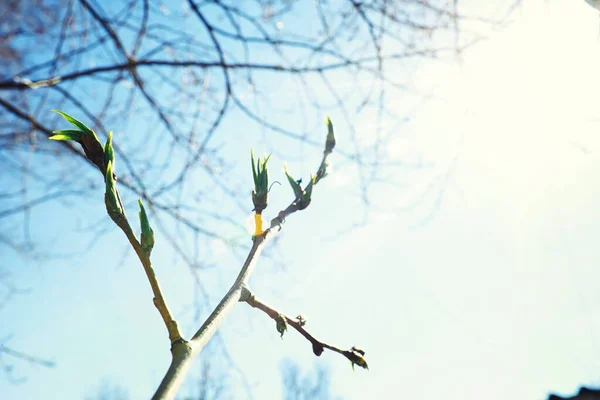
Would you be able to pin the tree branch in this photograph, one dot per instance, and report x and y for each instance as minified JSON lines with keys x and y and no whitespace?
{"x":354,"y":354}
{"x":185,"y":352}
{"x":159,"y":300}
{"x":26,"y":357}
{"x":18,"y":83}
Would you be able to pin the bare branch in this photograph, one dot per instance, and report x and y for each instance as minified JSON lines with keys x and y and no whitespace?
{"x":26,"y":357}
{"x":298,"y":324}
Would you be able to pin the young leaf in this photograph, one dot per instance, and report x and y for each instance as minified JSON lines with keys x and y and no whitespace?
{"x":330,"y":143}
{"x":109,"y":154}
{"x":267,"y":159}
{"x":260,"y":174}
{"x":254,"y":174}
{"x":263,"y":179}
{"x":281,"y":324}
{"x":308,"y":192}
{"x":87,"y":139}
{"x":357,"y":356}
{"x":75,"y":122}
{"x":147,"y":235}
{"x":265,"y":175}
{"x":293,"y":183}
{"x":330,"y":135}
{"x":66,"y":134}
{"x":111,"y":194}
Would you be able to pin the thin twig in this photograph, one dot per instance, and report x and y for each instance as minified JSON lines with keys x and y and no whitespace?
{"x":298,"y":324}
{"x":26,"y":357}
{"x":159,"y":300}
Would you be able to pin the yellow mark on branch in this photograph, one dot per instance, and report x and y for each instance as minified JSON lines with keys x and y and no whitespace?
{"x":258,"y":224}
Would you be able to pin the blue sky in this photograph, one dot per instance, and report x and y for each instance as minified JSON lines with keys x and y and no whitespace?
{"x":486,"y":287}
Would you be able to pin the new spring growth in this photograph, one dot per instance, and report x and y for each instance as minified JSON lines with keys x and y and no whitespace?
{"x":356,"y":356}
{"x":113,"y":206}
{"x":306,"y":195}
{"x":147,"y":234}
{"x":260,"y":174}
{"x":281,"y":324}
{"x":67,"y":134}
{"x":295,"y":184}
{"x":330,"y":143}
{"x":85,"y":137}
{"x":301,"y":320}
{"x":110,"y":197}
{"x":109,"y":154}
{"x":302,"y":197}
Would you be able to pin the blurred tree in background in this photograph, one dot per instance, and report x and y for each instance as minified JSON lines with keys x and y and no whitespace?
{"x":295,"y":386}
{"x":183,"y":84}
{"x":188,"y":88}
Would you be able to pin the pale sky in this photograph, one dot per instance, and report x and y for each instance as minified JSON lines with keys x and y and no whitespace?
{"x":493,"y":294}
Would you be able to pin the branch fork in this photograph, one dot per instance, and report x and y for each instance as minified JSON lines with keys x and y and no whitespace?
{"x":184,"y":351}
